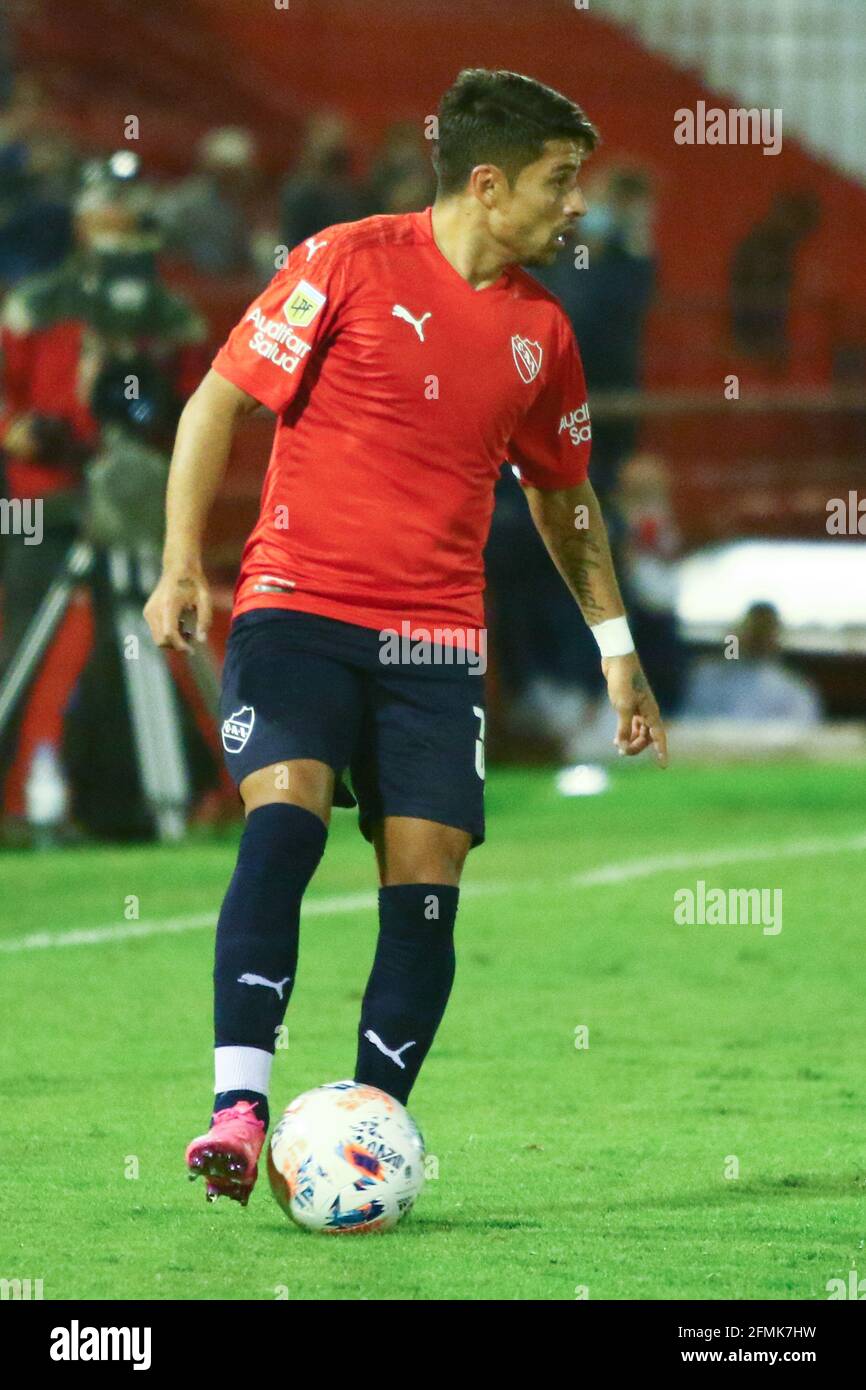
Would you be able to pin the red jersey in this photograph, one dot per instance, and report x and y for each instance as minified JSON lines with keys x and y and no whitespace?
{"x":400,"y":391}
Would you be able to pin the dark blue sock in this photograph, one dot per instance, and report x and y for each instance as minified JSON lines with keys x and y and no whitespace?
{"x":409,"y":985}
{"x":257,"y":932}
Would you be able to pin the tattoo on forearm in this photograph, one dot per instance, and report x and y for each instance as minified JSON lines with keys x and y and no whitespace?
{"x":638,"y":683}
{"x":582,"y":561}
{"x":582,"y":556}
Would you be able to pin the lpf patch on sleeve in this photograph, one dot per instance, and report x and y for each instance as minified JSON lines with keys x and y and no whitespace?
{"x":303,"y":304}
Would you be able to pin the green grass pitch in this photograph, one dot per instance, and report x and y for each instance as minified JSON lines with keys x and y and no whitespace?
{"x":561,"y":1169}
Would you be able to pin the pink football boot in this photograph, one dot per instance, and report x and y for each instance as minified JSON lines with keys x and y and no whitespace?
{"x":228,"y":1154}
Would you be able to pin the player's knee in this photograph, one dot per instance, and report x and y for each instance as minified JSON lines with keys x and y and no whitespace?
{"x":441,"y":862}
{"x":297,"y":782}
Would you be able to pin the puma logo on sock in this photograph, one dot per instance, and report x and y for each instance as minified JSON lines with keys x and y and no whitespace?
{"x":395,"y":1056}
{"x":249,"y":979}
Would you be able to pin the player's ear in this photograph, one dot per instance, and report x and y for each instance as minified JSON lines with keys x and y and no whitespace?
{"x":484,"y":182}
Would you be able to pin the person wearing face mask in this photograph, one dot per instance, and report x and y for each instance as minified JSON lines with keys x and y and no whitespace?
{"x":607,"y":293}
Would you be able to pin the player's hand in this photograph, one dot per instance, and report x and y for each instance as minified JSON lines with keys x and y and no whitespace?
{"x":179,"y":607}
{"x":640,"y":723}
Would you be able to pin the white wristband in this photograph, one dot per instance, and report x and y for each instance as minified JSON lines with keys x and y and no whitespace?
{"x":613,"y":637}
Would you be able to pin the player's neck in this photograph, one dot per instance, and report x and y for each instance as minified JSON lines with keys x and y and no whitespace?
{"x":465,"y":245}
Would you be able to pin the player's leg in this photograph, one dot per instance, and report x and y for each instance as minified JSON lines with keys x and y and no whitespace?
{"x":287,"y":807}
{"x":421,"y":800}
{"x":288,"y":725}
{"x":413,"y":970}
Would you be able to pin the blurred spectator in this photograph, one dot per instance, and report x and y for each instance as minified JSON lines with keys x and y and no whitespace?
{"x":206,"y":218}
{"x":762,"y":277}
{"x":27,"y":113}
{"x":60,"y":333}
{"x":607,"y":301}
{"x":38,"y":171}
{"x":755,"y":686}
{"x":35,"y":230}
{"x":55,"y":164}
{"x":649,"y":551}
{"x":321,"y":190}
{"x":401,"y":178}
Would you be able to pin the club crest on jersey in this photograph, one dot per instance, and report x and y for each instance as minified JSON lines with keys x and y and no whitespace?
{"x":527,"y":357}
{"x":237,"y":728}
{"x":303,"y":304}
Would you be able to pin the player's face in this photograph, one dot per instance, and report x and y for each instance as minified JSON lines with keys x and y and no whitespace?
{"x":534,"y":218}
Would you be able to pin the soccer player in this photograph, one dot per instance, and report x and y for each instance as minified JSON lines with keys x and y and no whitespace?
{"x":405,"y":357}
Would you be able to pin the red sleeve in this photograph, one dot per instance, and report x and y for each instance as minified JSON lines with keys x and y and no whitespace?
{"x":551,"y":446}
{"x":15,"y":352}
{"x":267,"y":353}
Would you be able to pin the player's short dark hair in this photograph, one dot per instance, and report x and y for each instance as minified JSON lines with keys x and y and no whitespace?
{"x":501,"y":118}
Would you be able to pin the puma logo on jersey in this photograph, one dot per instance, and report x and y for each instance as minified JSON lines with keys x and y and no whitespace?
{"x":398,"y":312}
{"x":249,"y":979}
{"x":395,"y":1056}
{"x":313,"y":246}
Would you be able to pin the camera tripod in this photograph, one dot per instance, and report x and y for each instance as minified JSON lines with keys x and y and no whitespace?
{"x":151,"y":696}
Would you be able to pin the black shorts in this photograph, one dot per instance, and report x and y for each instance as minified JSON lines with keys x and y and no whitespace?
{"x":411,"y":736}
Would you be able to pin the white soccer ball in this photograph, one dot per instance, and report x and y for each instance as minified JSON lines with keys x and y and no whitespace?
{"x":346,"y":1159}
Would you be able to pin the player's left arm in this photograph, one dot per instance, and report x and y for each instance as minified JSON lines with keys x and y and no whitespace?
{"x":570,"y":523}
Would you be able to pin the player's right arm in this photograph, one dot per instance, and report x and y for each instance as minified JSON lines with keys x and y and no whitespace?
{"x":261,"y":363}
{"x":201,"y":452}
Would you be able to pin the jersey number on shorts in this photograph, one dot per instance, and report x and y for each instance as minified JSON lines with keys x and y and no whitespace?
{"x":479,"y":742}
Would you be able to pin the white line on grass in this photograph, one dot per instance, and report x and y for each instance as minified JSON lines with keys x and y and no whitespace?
{"x":129,"y":931}
{"x":353,"y":902}
{"x":662,"y":864}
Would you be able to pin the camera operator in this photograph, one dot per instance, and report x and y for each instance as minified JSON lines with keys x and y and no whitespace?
{"x":61,"y":334}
